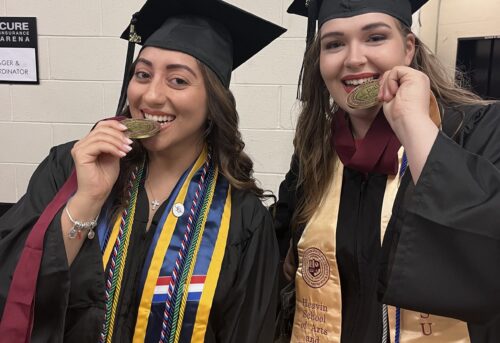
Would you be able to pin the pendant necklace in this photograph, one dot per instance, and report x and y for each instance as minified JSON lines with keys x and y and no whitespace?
{"x":154,"y":203}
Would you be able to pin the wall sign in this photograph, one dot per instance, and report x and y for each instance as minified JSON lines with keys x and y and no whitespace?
{"x":18,"y":50}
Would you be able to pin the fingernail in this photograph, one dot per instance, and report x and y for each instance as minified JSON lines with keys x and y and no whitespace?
{"x":122,"y":127}
{"x":128,"y":141}
{"x":127,"y":147}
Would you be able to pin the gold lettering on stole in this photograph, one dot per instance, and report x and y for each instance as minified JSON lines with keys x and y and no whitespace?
{"x":419,"y":327}
{"x":318,"y":306}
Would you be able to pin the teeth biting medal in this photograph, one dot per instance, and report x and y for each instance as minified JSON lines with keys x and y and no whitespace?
{"x":141,"y":128}
{"x":364,"y":96}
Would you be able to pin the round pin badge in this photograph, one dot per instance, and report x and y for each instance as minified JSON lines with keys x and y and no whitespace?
{"x":178,"y":210}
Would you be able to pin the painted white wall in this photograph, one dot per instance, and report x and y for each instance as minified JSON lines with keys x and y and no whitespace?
{"x":464,"y":18}
{"x":427,"y":19}
{"x":81,"y":64}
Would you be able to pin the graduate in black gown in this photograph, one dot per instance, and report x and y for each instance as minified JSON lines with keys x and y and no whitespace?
{"x":392,"y":209}
{"x":165,"y":239}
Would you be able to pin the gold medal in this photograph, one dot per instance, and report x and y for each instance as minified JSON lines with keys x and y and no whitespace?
{"x":364,"y":96}
{"x":141,"y":128}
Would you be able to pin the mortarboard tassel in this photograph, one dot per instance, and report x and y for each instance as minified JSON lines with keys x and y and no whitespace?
{"x":133,"y":39}
{"x":312,"y":16}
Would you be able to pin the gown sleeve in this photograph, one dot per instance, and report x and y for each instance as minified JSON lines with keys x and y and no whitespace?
{"x":246,"y":297}
{"x":444,"y":253}
{"x":53,"y":280}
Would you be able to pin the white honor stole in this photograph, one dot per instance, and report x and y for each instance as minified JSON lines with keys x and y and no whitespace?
{"x":318,"y":309}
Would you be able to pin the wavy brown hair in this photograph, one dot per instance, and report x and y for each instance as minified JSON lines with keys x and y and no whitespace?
{"x":224,"y":137}
{"x":221,"y":134}
{"x":313,"y":134}
{"x":312,"y":137}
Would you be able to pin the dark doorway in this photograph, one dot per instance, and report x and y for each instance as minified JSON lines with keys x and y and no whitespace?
{"x":479,"y":59}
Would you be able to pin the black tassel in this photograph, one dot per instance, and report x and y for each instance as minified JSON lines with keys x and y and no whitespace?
{"x":299,"y":83}
{"x":133,"y":39}
{"x":312,"y":17}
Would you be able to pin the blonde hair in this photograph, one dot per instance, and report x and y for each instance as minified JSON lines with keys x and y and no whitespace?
{"x":312,"y":140}
{"x":448,"y":89}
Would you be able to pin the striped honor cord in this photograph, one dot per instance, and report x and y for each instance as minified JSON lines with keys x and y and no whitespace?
{"x":398,"y":325}
{"x":180,"y":260}
{"x":385,"y":325}
{"x":118,"y":257}
{"x":188,"y":269}
{"x":385,"y":316}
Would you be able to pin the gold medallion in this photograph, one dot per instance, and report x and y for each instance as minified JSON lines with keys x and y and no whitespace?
{"x":141,"y":128}
{"x":364,"y":96}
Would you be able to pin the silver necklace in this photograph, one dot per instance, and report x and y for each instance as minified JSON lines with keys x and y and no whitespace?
{"x":154,"y":203}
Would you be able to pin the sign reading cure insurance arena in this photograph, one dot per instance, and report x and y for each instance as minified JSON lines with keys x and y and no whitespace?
{"x":18,"y":50}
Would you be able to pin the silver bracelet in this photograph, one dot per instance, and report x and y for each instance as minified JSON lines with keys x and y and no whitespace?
{"x":79,"y":226}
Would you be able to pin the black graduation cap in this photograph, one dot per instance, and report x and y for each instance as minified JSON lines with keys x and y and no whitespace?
{"x":324,"y":10}
{"x":218,"y":34}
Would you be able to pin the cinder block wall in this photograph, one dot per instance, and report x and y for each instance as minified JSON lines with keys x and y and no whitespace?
{"x":81,"y":65}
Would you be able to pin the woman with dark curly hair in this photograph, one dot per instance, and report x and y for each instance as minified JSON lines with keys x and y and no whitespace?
{"x":159,"y":239}
{"x":394,"y":188}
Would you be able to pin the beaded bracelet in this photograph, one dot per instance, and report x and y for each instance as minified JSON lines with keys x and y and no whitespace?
{"x":79,"y":226}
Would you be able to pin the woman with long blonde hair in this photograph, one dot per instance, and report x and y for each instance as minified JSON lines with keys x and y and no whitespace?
{"x":394,"y":189}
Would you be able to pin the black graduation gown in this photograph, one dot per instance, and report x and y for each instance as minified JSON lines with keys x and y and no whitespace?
{"x":70,"y":301}
{"x":441,"y":251}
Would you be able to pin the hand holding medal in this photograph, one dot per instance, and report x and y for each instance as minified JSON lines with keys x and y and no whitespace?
{"x":406,"y":95}
{"x":366,"y":95}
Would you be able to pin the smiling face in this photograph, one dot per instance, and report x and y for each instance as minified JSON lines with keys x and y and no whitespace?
{"x":359,"y":49}
{"x":168,"y":87}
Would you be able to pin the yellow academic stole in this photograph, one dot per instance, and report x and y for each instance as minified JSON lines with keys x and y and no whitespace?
{"x":184,"y":261}
{"x":318,"y":309}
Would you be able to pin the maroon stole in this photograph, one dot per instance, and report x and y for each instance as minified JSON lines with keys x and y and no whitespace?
{"x":19,"y":309}
{"x":377,"y":151}
{"x":17,"y":319}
